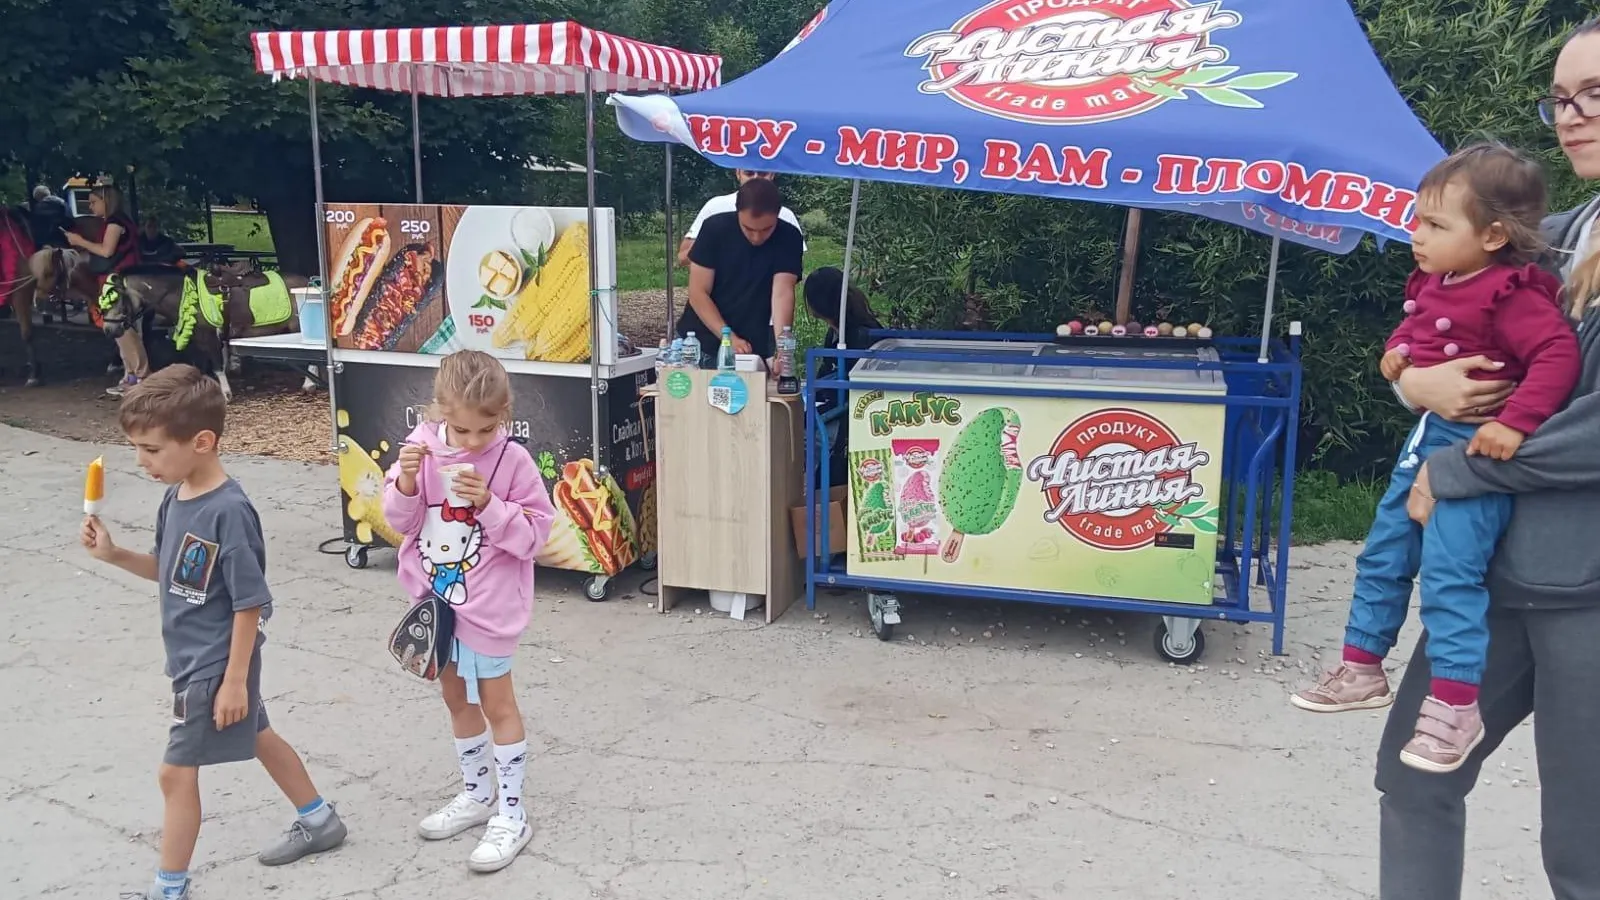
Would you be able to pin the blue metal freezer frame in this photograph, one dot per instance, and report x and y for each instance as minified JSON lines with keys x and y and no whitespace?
{"x":1260,"y":435}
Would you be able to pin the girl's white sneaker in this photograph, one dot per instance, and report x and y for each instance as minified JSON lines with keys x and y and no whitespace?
{"x":502,"y":841}
{"x":461,"y":814}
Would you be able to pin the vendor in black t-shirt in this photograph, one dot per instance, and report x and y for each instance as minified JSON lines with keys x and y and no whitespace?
{"x":743,"y":269}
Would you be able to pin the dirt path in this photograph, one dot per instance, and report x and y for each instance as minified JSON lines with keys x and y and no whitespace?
{"x":269,"y":415}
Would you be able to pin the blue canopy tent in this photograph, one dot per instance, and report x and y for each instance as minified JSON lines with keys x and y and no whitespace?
{"x":1273,"y":116}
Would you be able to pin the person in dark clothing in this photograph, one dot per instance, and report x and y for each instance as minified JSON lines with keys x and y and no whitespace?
{"x":822,"y":290}
{"x":743,"y":269}
{"x":48,"y":218}
{"x":155,"y":247}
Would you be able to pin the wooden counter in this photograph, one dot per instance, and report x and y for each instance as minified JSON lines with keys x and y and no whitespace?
{"x":724,"y":487}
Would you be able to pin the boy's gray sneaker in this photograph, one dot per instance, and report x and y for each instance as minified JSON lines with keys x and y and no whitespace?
{"x":302,"y":840}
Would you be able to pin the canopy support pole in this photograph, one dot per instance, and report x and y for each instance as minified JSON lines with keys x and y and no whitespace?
{"x":416,"y":134}
{"x":594,"y":275}
{"x":328,"y":371}
{"x":1130,"y":262}
{"x":1272,"y":289}
{"x":849,"y":250}
{"x":672,"y":254}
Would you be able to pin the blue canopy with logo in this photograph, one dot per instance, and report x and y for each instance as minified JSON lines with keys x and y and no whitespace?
{"x":1272,"y":115}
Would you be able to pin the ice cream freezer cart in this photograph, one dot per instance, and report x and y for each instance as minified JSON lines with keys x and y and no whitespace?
{"x":1133,"y":474}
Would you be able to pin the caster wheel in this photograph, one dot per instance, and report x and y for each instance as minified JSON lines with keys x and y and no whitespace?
{"x":647,"y":562}
{"x":355,"y":556}
{"x":885,"y":612}
{"x":1171,"y":650}
{"x":598,"y":588}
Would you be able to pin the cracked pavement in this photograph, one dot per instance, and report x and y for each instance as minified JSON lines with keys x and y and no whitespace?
{"x":988,"y":751}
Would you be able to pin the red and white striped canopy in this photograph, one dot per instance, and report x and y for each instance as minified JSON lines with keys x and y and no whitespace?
{"x":483,"y":60}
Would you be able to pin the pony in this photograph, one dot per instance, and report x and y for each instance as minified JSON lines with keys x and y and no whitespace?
{"x":34,"y":278}
{"x":173,"y":295}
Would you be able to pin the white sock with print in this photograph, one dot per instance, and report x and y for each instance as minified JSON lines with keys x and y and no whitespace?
{"x":476,"y":774}
{"x":512,"y":761}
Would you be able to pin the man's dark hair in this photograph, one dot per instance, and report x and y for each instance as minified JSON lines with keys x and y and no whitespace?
{"x":759,"y":196}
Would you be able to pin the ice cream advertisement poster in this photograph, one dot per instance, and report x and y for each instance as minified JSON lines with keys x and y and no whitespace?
{"x":513,"y":281}
{"x":604,"y":521}
{"x":1065,"y":495}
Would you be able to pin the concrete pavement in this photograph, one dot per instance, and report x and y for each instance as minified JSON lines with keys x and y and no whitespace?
{"x":992,"y":751}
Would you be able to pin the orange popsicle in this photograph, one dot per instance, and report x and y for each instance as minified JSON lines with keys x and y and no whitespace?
{"x":94,"y":487}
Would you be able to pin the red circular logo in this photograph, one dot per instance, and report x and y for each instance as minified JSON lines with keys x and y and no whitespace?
{"x":1070,"y":62}
{"x":1111,"y":474}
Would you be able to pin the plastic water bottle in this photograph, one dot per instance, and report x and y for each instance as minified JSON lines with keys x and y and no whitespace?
{"x":675,"y":354}
{"x":661,"y":358}
{"x":787,"y":382}
{"x":725,"y":352}
{"x":693,"y":356}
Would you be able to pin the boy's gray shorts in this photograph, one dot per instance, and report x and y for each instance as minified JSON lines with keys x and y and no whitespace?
{"x":194,"y":739}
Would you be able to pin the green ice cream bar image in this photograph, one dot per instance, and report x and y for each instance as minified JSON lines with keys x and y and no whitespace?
{"x":982,"y":474}
{"x":874,"y":507}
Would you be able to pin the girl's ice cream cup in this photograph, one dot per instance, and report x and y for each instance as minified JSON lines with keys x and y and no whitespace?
{"x":448,"y":474}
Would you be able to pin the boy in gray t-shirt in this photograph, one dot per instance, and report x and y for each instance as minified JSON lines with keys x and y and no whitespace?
{"x":209,"y":563}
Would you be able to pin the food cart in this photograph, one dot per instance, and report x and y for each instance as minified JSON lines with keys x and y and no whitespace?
{"x":405,"y":284}
{"x":1141,"y":474}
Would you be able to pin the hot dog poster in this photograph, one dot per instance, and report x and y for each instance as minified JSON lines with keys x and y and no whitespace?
{"x":604,"y":520}
{"x":509,"y":280}
{"x":1077,"y":496}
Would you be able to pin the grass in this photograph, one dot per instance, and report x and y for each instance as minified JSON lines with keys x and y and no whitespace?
{"x":1326,"y":509}
{"x":245,"y":231}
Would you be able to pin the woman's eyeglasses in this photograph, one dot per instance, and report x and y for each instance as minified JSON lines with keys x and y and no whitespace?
{"x":1585,"y":103}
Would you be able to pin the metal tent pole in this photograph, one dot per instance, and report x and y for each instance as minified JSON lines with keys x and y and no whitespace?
{"x":1272,"y":289}
{"x":671,"y":251}
{"x":594,"y":273}
{"x":416,"y":133}
{"x":328,"y":372}
{"x":849,"y":248}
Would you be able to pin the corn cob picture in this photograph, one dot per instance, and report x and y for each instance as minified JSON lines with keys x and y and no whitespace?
{"x":550,"y":316}
{"x":361,"y":480}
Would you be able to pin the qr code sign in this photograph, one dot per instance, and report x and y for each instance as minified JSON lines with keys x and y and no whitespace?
{"x":721,"y":397}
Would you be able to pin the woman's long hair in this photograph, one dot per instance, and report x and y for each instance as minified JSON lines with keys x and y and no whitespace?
{"x":1583,"y":285}
{"x":822,"y":297}
{"x":111,"y":195}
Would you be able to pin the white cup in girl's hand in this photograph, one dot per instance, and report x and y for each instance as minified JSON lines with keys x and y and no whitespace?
{"x":448,"y":474}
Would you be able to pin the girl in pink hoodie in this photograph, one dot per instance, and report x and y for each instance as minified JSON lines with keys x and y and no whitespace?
{"x":471,"y":534}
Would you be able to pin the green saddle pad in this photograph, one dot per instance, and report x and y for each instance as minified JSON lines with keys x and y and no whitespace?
{"x":270,"y":303}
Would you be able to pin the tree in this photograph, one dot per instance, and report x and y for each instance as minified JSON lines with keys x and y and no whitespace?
{"x":186,"y":106}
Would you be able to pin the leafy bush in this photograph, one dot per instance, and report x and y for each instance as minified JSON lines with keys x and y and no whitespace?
{"x":1469,"y":68}
{"x":817,"y":223}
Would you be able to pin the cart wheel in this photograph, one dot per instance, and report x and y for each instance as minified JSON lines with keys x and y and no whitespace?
{"x":885,"y":612}
{"x":597,"y":588}
{"x":647,"y":562}
{"x":1172,"y":647}
{"x":355,"y":556}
